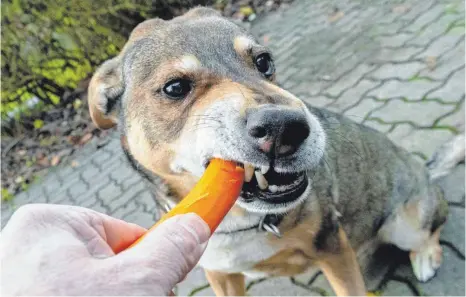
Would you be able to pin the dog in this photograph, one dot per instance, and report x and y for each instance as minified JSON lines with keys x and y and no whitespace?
{"x":319,"y":188}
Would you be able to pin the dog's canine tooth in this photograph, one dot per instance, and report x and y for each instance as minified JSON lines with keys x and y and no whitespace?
{"x":261,"y":181}
{"x":273,"y":188}
{"x":265,"y":169}
{"x":248,"y":172}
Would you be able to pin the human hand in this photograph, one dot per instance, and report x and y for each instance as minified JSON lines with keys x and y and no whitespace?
{"x":69,"y":250}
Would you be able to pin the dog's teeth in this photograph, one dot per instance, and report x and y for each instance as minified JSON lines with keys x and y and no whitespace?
{"x":248,"y":172}
{"x":273,"y":188}
{"x":261,"y":181}
{"x":264,"y":169}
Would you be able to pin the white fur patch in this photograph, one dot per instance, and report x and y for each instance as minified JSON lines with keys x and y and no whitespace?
{"x":240,"y":251}
{"x":189,"y":63}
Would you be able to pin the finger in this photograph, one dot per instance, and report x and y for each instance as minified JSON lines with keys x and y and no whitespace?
{"x":172,"y":249}
{"x":116,"y":233}
{"x":120,"y":234}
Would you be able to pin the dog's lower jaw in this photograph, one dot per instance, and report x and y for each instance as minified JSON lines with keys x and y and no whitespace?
{"x":259,"y":207}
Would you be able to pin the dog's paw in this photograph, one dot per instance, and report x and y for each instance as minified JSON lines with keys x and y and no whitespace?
{"x":426,"y":262}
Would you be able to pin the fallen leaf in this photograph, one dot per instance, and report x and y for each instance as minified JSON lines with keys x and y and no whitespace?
{"x":335,"y":15}
{"x":38,"y":124}
{"x":55,"y":160}
{"x":77,"y":103}
{"x":246,"y":10}
{"x":401,"y":8}
{"x":73,"y":139}
{"x":431,"y":62}
{"x":74,"y":164}
{"x":85,"y":138}
{"x":265,"y":39}
{"x":43,"y":162}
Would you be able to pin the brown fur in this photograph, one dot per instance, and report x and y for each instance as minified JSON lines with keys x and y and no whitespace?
{"x":364,"y":189}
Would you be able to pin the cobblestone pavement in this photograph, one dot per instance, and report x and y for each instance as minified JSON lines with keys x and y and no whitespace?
{"x":397,"y":66}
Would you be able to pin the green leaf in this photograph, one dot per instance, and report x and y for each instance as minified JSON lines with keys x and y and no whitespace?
{"x":6,"y":195}
{"x":38,"y":124}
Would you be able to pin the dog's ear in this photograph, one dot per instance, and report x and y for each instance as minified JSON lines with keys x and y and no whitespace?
{"x":107,"y":86}
{"x":104,"y":92}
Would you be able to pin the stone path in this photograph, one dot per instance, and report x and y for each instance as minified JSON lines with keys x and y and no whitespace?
{"x":397,"y":66}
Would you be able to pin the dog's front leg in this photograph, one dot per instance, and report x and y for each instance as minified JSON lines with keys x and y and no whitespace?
{"x":341,"y":268}
{"x":226,"y":284}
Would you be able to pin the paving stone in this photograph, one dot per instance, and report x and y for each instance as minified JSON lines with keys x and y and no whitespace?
{"x":59,"y":197}
{"x":377,"y":126}
{"x":124,"y":210}
{"x":195,"y":280}
{"x":140,"y":217}
{"x":363,"y":109}
{"x":440,"y":45}
{"x":114,"y":202}
{"x":146,"y":199}
{"x":453,"y":185}
{"x":444,"y":66}
{"x":453,"y":231}
{"x":37,"y":194}
{"x":20,"y":199}
{"x":403,"y":71}
{"x":315,"y":280}
{"x":100,"y":208}
{"x":412,"y":90}
{"x":109,"y":193}
{"x":394,"y":41}
{"x":423,"y":141}
{"x":455,"y":120}
{"x":453,"y":90}
{"x":395,"y":288}
{"x":349,"y":80}
{"x":88,"y":201}
{"x":386,"y":30}
{"x":309,"y":89}
{"x":319,"y":101}
{"x":122,"y":174}
{"x":287,"y":74}
{"x":399,"y":55}
{"x":424,"y":114}
{"x":352,"y":96}
{"x":90,"y":173}
{"x":131,"y":181}
{"x":101,"y":156}
{"x":77,"y":190}
{"x":425,"y":19}
{"x":434,"y":30}
{"x":279,"y":286}
{"x":94,"y":187}
{"x":416,"y":10}
{"x":51,"y":183}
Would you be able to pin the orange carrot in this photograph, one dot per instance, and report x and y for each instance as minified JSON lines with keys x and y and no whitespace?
{"x":212,"y":197}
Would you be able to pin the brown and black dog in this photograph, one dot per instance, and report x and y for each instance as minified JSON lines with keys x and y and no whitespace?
{"x":320,"y":189}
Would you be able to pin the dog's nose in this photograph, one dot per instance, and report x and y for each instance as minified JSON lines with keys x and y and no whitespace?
{"x":277,"y":130}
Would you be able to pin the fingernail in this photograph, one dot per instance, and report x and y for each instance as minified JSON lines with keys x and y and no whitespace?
{"x":197,"y":225}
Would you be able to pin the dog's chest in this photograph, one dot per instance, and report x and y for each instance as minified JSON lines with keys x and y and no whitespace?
{"x":237,"y":253}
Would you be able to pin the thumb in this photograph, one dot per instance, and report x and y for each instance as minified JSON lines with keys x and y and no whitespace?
{"x":172,"y":249}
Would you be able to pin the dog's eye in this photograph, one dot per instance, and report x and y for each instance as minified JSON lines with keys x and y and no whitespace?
{"x":178,"y":88}
{"x":265,"y":65}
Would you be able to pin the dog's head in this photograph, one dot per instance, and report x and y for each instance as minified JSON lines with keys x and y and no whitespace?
{"x":197,"y":87}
